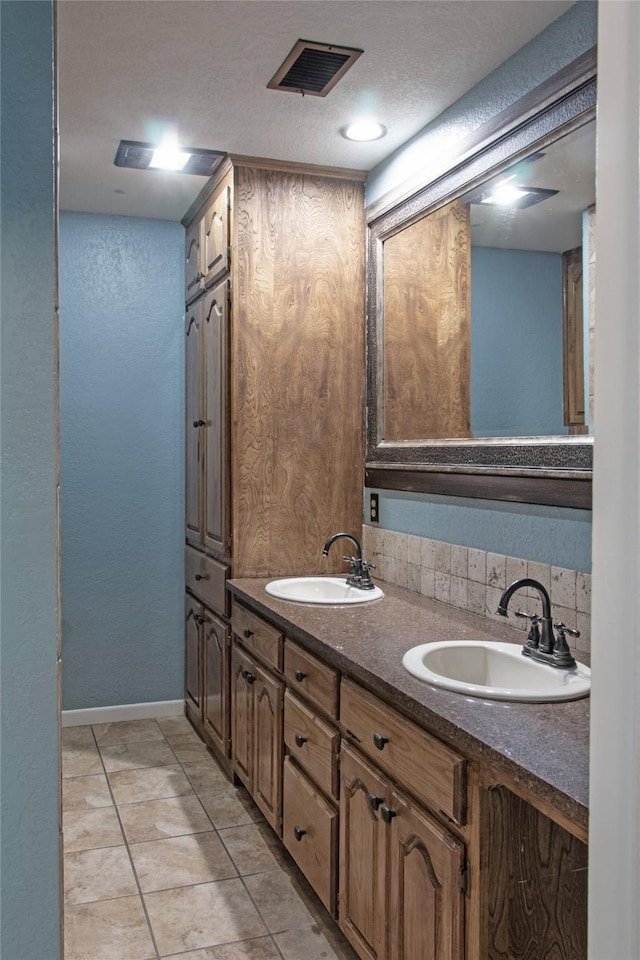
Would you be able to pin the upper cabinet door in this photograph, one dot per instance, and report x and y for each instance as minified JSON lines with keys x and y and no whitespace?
{"x":193,"y":274}
{"x":194,"y":426}
{"x":215,"y":344}
{"x":215,"y":236}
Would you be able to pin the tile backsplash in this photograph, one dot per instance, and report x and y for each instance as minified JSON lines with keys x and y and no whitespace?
{"x":474,"y":579}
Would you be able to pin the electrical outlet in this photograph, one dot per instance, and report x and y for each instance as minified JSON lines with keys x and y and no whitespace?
{"x":374,"y":516}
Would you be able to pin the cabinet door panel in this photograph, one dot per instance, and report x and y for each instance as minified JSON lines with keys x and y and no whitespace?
{"x":193,"y":644}
{"x":215,"y":239}
{"x":242,"y":679}
{"x":363,"y":844}
{"x":426,"y":905}
{"x":267,"y":777}
{"x":215,"y":645}
{"x":215,"y":324}
{"x":193,"y":429}
{"x":193,"y":260}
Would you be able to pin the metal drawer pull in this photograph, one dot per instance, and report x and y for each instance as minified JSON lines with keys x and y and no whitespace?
{"x":202,"y":576}
{"x":374,"y":802}
{"x":299,"y":833}
{"x":247,"y":633}
{"x":387,"y":813}
{"x":299,"y":675}
{"x":199,"y":423}
{"x":379,"y":741}
{"x":300,"y":740}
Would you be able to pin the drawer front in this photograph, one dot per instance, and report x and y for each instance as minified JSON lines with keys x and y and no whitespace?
{"x":310,"y":677}
{"x":310,"y":833}
{"x":435,"y":774}
{"x":256,"y":635}
{"x":313,"y":744}
{"x":207,"y":579}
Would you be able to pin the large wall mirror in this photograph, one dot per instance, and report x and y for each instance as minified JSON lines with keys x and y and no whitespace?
{"x":480,"y":320}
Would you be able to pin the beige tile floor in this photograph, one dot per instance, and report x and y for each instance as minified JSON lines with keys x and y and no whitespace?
{"x":163,"y":857}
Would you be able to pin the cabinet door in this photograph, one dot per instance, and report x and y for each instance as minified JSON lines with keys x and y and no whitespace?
{"x":243,"y":677}
{"x":194,"y":437}
{"x":215,"y":328}
{"x":426,"y":901}
{"x":215,"y":237}
{"x":193,"y":654}
{"x":215,"y":673}
{"x":267,"y":772}
{"x":363,"y":845}
{"x":192,"y":261}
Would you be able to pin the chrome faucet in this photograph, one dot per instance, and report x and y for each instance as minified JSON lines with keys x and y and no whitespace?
{"x":542,"y":644}
{"x":359,"y":575}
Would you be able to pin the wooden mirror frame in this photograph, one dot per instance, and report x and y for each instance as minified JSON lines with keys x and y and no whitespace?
{"x":554,"y":471}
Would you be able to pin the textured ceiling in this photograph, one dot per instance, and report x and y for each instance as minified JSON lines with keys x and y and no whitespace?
{"x":127,"y":68}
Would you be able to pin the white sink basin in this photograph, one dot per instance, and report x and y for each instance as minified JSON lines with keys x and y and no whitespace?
{"x":320,"y":590}
{"x":496,"y":671}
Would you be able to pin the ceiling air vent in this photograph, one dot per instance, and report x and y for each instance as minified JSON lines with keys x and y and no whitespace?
{"x":313,"y":68}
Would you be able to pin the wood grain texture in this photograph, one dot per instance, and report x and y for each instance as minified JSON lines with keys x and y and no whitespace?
{"x":572,"y":341}
{"x":362,"y":910}
{"x":241,"y":717}
{"x":215,"y":675}
{"x":305,"y":809}
{"x":215,"y":234}
{"x":534,"y":883}
{"x":268,"y":746}
{"x":193,"y":434}
{"x":298,"y":369}
{"x":215,"y":336}
{"x":312,"y":678}
{"x":193,"y":659}
{"x":426,"y":327}
{"x":426,"y":906}
{"x":313,"y":744}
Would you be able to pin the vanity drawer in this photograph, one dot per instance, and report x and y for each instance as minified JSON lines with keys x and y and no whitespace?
{"x":312,"y":678}
{"x":310,"y":833}
{"x":257,"y":635}
{"x":207,"y":579}
{"x":434,"y":773}
{"x":313,"y":744}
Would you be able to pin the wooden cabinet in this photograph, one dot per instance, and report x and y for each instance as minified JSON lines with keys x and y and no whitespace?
{"x":194,"y":452}
{"x":256,"y":732}
{"x":207,"y":673}
{"x":288,"y":243}
{"x":401,"y":872}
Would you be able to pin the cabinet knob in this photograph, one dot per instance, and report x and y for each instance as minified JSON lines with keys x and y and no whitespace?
{"x":199,"y":620}
{"x":300,"y":740}
{"x":202,"y":576}
{"x":379,"y":741}
{"x":249,"y":677}
{"x":374,"y":802}
{"x":387,"y":813}
{"x":299,"y":675}
{"x":247,"y":633}
{"x":298,"y":833}
{"x":199,"y":423}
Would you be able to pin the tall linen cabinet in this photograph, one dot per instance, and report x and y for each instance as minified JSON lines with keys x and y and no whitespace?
{"x":275,"y":372}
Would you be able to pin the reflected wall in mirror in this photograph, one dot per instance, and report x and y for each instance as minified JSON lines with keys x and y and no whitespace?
{"x":483,"y":305}
{"x":480,"y":312}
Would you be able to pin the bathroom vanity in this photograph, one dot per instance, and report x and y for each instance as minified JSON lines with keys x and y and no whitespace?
{"x":430,"y":824}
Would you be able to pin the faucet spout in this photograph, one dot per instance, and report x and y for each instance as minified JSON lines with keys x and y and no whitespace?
{"x":359,"y":575}
{"x":543,"y":647}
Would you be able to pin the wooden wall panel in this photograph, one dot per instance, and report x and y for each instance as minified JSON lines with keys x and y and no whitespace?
{"x":298,"y":369}
{"x":426,"y":343}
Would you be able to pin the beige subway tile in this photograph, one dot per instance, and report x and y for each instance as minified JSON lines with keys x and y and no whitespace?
{"x":414,"y":550}
{"x":476,"y":597}
{"x":443,"y":587}
{"x":459,"y":592}
{"x":563,"y":587}
{"x":583,"y":592}
{"x":459,"y":562}
{"x":516,"y":569}
{"x":496,"y":571}
{"x":477,"y":565}
{"x":427,"y":583}
{"x":443,"y":557}
{"x":540,"y":572}
{"x":428,"y":553}
{"x":414,"y":577}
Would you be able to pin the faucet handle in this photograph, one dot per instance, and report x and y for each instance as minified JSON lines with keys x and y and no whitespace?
{"x":527,"y":616}
{"x":563,"y":628}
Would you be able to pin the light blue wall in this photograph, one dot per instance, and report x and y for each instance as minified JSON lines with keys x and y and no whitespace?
{"x":29,"y":880}
{"x":122,"y":463}
{"x":516,"y":343}
{"x":544,"y":534}
{"x":563,"y":41}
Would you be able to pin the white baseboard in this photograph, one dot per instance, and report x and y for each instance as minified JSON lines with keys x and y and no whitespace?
{"x":125,"y":711}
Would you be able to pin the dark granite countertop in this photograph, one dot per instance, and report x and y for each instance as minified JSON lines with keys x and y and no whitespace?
{"x":542,"y":746}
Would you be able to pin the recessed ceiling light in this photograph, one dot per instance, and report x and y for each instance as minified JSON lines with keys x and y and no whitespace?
{"x":509,"y":195}
{"x":151,"y":156}
{"x":364,"y":130}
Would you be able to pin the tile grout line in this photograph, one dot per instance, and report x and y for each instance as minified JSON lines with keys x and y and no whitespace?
{"x":126,"y":844}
